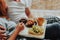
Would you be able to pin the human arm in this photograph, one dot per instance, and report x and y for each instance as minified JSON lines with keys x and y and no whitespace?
{"x":28,"y":13}
{"x":18,"y":29}
{"x":2,"y":28}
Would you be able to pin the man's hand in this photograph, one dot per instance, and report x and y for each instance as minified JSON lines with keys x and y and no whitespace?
{"x":28,"y":13}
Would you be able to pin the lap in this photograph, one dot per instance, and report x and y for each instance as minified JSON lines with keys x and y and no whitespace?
{"x":52,"y":31}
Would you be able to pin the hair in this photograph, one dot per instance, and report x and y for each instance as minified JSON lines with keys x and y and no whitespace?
{"x":16,"y":0}
{"x":3,"y":8}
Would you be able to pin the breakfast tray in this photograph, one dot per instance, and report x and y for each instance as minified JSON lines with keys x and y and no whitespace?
{"x":26,"y":34}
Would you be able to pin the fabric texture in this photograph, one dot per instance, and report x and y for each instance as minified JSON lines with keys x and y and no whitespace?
{"x":52,"y":27}
{"x":9,"y":25}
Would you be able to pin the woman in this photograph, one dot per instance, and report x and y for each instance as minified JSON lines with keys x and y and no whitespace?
{"x":7,"y":26}
{"x":52,"y":31}
{"x":18,"y":9}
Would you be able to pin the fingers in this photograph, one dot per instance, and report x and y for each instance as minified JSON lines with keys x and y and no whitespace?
{"x":20,"y":26}
{"x":4,"y":38}
{"x":21,"y":23}
{"x":2,"y":31}
{"x":1,"y":27}
{"x":2,"y":35}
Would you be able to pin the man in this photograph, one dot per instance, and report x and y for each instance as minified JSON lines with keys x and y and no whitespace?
{"x":18,"y":9}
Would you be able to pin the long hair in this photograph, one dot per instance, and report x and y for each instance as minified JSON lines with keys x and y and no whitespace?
{"x":17,"y":0}
{"x":3,"y":8}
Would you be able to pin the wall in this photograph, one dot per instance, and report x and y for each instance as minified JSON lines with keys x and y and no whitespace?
{"x":39,"y":8}
{"x":46,"y":4}
{"x":45,"y":7}
{"x":41,"y":13}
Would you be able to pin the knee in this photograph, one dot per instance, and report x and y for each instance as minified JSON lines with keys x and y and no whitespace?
{"x":53,"y":25}
{"x":52,"y":29}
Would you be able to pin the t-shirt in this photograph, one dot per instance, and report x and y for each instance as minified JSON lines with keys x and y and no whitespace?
{"x":28,"y":3}
{"x":16,"y":10}
{"x":9,"y":25}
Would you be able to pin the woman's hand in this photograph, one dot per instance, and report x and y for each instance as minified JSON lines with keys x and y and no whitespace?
{"x":20,"y":27}
{"x":2,"y":31}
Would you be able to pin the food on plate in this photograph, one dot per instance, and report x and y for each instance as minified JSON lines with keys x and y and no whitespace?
{"x":35,"y":23}
{"x":23,"y":20}
{"x":36,"y":30}
{"x":40,"y":21}
{"x":30,"y":23}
